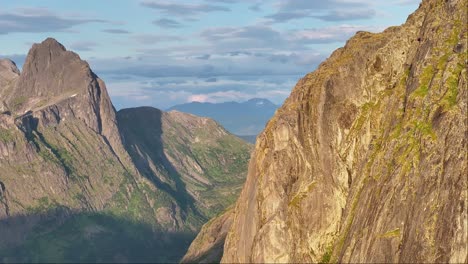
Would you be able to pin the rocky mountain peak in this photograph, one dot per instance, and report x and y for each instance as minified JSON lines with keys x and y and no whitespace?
{"x":8,"y":72}
{"x":49,"y":44}
{"x":50,"y":70}
{"x":8,"y":66}
{"x":57,"y":85}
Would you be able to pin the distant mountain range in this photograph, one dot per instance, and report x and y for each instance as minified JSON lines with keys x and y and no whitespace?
{"x":243,"y":119}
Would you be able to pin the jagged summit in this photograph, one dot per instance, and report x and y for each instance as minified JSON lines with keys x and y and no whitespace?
{"x":50,"y":70}
{"x":53,"y":77}
{"x":57,"y":85}
{"x":49,"y":44}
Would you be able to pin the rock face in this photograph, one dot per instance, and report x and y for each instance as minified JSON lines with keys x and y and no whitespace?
{"x":73,"y":169}
{"x":208,"y":246}
{"x":8,"y":71}
{"x":366,"y":161}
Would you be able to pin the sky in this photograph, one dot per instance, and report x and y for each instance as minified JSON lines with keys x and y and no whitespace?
{"x":166,"y":52}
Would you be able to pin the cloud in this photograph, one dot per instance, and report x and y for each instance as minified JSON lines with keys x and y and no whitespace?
{"x":135,"y":93}
{"x":280,"y":17}
{"x":248,"y":37}
{"x":342,"y":15}
{"x":225,"y":1}
{"x":203,"y":57}
{"x":407,"y":2}
{"x":183,"y":10}
{"x":202,"y":98}
{"x":212,"y":80}
{"x":238,"y":96}
{"x":329,"y":34}
{"x":34,"y":20}
{"x":226,"y":51}
{"x":248,"y":66}
{"x":116,"y":31}
{"x":332,"y":10}
{"x":83,"y":45}
{"x":256,"y":7}
{"x":294,"y":5}
{"x":152,"y":39}
{"x":167,"y":23}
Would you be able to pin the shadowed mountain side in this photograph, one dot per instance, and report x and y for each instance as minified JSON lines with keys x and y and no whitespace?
{"x":141,"y":135}
{"x":192,"y":158}
{"x":65,"y":236}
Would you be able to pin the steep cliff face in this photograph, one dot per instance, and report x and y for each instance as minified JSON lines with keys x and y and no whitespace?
{"x":74,"y":170}
{"x":367,"y":159}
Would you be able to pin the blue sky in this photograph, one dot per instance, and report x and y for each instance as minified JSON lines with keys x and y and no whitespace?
{"x":162,"y":53}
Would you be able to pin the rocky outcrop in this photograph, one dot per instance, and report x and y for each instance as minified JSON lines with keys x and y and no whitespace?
{"x":208,"y":246}
{"x":366,"y":160}
{"x":8,"y":71}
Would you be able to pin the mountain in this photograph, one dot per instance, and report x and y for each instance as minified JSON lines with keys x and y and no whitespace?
{"x":244,"y":119}
{"x":190,"y":156}
{"x":83,"y":183}
{"x":366,"y":161}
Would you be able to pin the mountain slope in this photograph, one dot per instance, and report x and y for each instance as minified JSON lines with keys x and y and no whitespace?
{"x":366,"y":160}
{"x":245,"y":119}
{"x":192,"y":157}
{"x":68,"y":170}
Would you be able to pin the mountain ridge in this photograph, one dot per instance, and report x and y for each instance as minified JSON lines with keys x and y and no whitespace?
{"x":244,"y":119}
